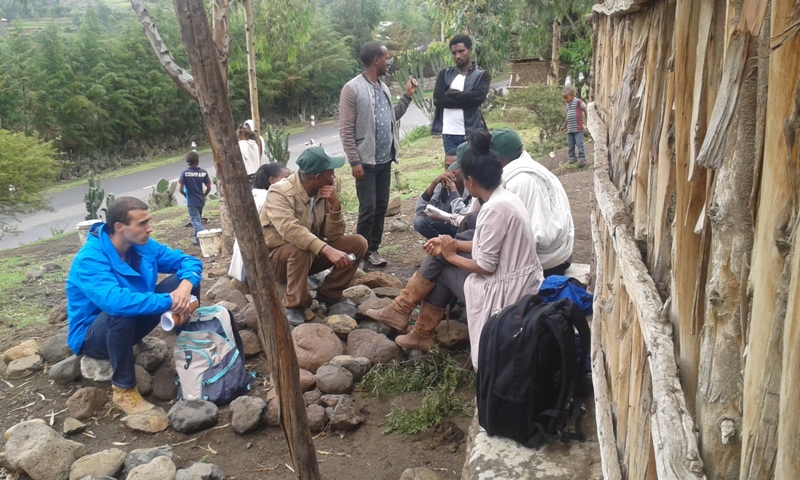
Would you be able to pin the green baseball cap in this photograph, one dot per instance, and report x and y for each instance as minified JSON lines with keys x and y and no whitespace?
{"x":506,"y":143}
{"x":459,"y":155}
{"x":315,"y":160}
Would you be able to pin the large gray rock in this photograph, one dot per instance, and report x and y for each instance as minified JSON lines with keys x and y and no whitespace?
{"x":41,"y":452}
{"x":164,"y":387}
{"x":330,"y":401}
{"x":24,"y":349}
{"x":251,"y":343}
{"x":200,"y":471}
{"x":376,"y":327}
{"x":141,"y":456}
{"x":312,"y":397}
{"x":341,"y":325}
{"x":393,"y":208}
{"x":192,"y":416}
{"x":272,"y":416}
{"x":452,"y":334}
{"x":376,"y":303}
{"x":87,"y":400}
{"x":222,"y":283}
{"x":343,"y":308}
{"x":315,"y":344}
{"x":379,"y":279}
{"x":66,"y":371}
{"x":332,"y":379}
{"x":72,"y":426}
{"x":307,"y":380}
{"x":248,"y":318}
{"x":346,"y":415}
{"x":419,"y":473}
{"x":150,"y":421}
{"x":7,"y":433}
{"x":150,"y":352}
{"x":317,"y":418}
{"x":376,"y":347}
{"x":55,"y":348}
{"x":234,"y":308}
{"x":161,"y":468}
{"x":108,"y":462}
{"x":144,"y":382}
{"x":247,"y":413}
{"x":231,"y":295}
{"x":59,"y":313}
{"x":358,"y":294}
{"x":24,"y":366}
{"x":95,"y":369}
{"x":357,"y":366}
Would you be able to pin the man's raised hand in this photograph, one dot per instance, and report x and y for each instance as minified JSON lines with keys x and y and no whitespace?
{"x":329,"y":193}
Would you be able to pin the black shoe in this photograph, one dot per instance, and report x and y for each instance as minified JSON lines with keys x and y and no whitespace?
{"x":295,"y":316}
{"x":329,"y":302}
{"x":375,"y":259}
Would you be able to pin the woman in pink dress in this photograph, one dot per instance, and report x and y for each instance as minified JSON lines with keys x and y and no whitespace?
{"x":496,"y":269}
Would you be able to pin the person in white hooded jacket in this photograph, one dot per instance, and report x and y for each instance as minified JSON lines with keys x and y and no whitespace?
{"x":543,"y":196}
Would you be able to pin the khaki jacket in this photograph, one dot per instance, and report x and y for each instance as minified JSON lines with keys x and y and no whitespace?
{"x":286,"y":218}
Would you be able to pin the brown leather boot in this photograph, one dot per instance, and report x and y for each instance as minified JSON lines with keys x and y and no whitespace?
{"x":396,"y":315}
{"x":421,"y":337}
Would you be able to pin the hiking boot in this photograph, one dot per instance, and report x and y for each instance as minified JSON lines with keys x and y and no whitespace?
{"x":129,"y":401}
{"x":421,"y":337}
{"x":397,"y":314}
{"x":295,"y":316}
{"x":329,"y":301}
{"x":375,"y":259}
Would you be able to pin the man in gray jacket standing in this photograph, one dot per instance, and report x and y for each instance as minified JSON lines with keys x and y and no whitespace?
{"x":370,"y":138}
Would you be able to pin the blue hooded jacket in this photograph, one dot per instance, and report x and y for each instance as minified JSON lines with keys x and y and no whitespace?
{"x":100,"y":281}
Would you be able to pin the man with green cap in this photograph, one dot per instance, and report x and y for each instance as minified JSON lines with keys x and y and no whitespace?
{"x":304,"y":230}
{"x":543,"y":196}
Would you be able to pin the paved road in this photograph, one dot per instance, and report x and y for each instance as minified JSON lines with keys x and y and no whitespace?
{"x":69,"y":209}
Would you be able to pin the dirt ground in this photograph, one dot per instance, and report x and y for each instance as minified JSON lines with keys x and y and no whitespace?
{"x":366,"y":454}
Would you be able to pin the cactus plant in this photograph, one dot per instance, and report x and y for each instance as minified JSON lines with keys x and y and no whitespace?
{"x":94,"y":197}
{"x":163,"y":195}
{"x":109,"y":200}
{"x":277,"y":145}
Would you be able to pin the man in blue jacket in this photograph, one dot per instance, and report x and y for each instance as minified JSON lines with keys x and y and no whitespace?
{"x":458,"y":95}
{"x":113,"y":299}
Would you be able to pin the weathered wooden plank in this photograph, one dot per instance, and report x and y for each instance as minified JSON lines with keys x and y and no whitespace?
{"x":602,"y":401}
{"x":673,"y":430}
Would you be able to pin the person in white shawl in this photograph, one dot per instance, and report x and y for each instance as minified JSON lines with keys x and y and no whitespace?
{"x":265,"y":176}
{"x":543,"y":196}
{"x":251,"y":151}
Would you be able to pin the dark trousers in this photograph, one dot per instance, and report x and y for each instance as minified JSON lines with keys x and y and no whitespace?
{"x":373,"y":199}
{"x":575,"y":142}
{"x":429,"y":228}
{"x":196,"y":217}
{"x":112,"y":337}
{"x":451,"y":142}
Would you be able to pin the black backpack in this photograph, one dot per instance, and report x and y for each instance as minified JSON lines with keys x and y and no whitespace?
{"x":528,"y":374}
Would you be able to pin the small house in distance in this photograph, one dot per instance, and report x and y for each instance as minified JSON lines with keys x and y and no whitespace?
{"x":528,"y":70}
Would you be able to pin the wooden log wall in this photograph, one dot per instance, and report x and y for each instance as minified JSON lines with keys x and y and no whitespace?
{"x":696,"y":121}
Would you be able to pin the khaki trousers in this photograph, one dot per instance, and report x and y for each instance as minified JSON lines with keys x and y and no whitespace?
{"x":292,"y":266}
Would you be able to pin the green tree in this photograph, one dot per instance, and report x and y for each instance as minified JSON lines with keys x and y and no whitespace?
{"x":27,"y":165}
{"x":357,"y":19}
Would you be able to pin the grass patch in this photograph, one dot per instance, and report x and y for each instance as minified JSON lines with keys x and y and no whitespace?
{"x":421,"y":160}
{"x":437,"y":375}
{"x":19,"y":306}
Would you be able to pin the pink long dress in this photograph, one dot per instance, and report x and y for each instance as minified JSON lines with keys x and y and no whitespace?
{"x":504,"y":245}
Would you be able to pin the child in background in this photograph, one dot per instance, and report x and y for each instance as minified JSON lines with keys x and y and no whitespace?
{"x":573,"y":125}
{"x":195,"y":185}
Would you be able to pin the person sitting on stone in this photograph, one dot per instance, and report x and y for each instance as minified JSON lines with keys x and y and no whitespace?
{"x":544,"y":198}
{"x":447,"y":195}
{"x":304,"y":230}
{"x":502,"y":265}
{"x":113,"y":298}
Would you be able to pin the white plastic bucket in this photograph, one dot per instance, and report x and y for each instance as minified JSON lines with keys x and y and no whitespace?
{"x":83,"y":228}
{"x":210,"y":241}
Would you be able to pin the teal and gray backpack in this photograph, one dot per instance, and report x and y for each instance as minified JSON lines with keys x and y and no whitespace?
{"x":209,"y":358}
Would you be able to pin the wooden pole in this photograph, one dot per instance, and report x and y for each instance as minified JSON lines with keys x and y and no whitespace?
{"x":273,"y":327}
{"x":251,"y":66}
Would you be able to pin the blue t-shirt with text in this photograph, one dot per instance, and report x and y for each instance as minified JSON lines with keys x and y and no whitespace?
{"x":193,"y":179}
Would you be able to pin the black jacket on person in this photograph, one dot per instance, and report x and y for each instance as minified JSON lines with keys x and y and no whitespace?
{"x":476,"y":87}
